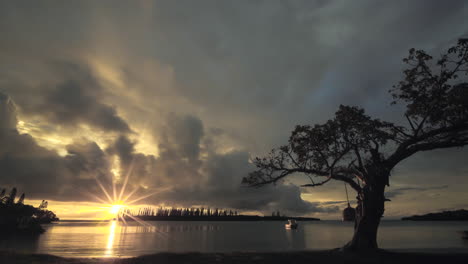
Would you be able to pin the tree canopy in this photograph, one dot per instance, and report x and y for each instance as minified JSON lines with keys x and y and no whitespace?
{"x":17,"y":217}
{"x":360,"y":150}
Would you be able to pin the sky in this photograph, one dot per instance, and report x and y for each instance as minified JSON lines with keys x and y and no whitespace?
{"x":179,"y":96}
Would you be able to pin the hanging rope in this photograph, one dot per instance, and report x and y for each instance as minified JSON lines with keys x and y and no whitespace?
{"x":346,"y":189}
{"x":349,"y":213}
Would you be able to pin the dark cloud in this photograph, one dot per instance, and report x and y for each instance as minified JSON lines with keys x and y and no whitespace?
{"x":42,"y":173}
{"x":124,"y":149}
{"x":74,"y":98}
{"x":87,"y":157}
{"x":182,"y":135}
{"x":236,"y":76}
{"x":334,"y":203}
{"x":72,"y":102}
{"x":64,"y":93}
{"x":7,"y":114}
{"x":22,"y":161}
{"x":183,"y":175}
{"x":399,"y":191}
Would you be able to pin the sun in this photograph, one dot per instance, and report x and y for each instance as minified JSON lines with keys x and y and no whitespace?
{"x":115,"y":200}
{"x":115,"y":208}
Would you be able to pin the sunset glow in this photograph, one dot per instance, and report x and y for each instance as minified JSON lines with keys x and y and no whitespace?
{"x":216,"y":131}
{"x":116,"y":208}
{"x":107,"y":110}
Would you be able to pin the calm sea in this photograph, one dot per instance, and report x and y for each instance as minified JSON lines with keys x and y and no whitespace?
{"x":113,"y":239}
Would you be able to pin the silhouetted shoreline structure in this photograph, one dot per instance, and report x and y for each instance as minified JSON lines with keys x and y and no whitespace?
{"x":457,"y":215}
{"x":199,"y":214}
{"x":17,"y":217}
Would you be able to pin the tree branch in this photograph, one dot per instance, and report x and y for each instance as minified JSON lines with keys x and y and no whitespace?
{"x":410,"y":122}
{"x":317,"y":184}
{"x":416,"y":144}
{"x":349,"y":181}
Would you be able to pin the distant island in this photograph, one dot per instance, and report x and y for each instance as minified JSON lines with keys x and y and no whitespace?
{"x":458,"y":215}
{"x":200,"y":214}
{"x":220,"y":218}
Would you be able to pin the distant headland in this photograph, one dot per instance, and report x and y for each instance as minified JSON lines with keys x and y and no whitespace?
{"x":458,"y":215}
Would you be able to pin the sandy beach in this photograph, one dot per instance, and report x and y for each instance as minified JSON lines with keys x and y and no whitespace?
{"x":326,"y":256}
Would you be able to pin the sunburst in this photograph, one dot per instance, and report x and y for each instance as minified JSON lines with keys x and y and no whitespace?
{"x":115,"y":200}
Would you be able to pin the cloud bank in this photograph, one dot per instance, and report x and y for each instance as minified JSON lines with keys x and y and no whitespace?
{"x":183,"y":94}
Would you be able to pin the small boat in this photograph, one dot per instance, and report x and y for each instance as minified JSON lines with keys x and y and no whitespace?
{"x":292,"y":224}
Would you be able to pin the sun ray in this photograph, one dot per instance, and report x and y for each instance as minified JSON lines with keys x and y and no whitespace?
{"x":94,"y":196}
{"x":130,"y":194}
{"x":146,"y":196}
{"x":103,"y":189}
{"x":97,"y":210}
{"x":142,"y":197}
{"x":118,"y":199}
{"x":129,"y":172}
{"x":137,"y":220}
{"x":123,"y":219}
{"x":113,"y":188}
{"x":122,"y":214}
{"x":143,"y":223}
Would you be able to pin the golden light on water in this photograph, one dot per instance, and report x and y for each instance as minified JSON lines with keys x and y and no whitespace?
{"x":110,"y":239}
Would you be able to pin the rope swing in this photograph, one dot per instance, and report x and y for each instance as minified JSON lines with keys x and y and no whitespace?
{"x":349,"y":213}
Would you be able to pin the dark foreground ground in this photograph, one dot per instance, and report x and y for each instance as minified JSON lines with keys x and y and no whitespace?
{"x":315,"y":257}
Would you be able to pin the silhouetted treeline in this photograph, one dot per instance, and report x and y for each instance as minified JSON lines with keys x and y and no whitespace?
{"x":15,"y":216}
{"x":180,"y":212}
{"x":199,"y":214}
{"x":276,"y":214}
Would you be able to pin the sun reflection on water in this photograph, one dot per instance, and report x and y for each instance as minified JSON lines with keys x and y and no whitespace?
{"x":110,"y":240}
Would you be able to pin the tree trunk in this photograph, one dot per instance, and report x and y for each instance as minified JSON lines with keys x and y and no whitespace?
{"x":368,"y":213}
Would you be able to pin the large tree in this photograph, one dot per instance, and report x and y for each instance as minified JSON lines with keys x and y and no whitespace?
{"x":362,"y":151}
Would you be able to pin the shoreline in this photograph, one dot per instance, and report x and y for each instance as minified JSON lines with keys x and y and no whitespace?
{"x":333,"y":256}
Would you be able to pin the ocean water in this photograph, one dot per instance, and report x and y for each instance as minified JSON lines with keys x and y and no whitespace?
{"x":113,"y":239}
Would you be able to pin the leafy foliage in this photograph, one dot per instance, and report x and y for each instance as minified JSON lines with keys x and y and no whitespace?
{"x":18,"y":217}
{"x":339,"y":149}
{"x":361,"y":151}
{"x":435,"y":95}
